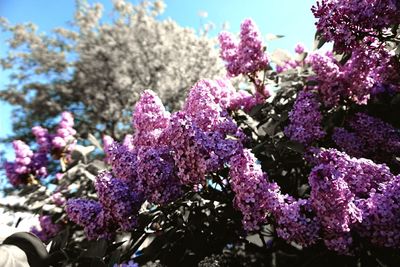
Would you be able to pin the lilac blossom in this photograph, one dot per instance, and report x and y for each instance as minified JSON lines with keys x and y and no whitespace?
{"x":23,"y":157}
{"x":118,"y":199}
{"x":349,"y":142}
{"x":251,"y":53}
{"x":13,"y":177}
{"x":256,"y":198}
{"x":358,"y":79}
{"x":295,"y":219}
{"x":381,"y":215}
{"x":328,"y":76}
{"x":63,"y":141}
{"x":223,"y":92}
{"x":39,"y":164}
{"x":333,"y":202}
{"x":156,"y":173}
{"x":204,"y":106}
{"x":361,"y":175}
{"x":380,"y":137}
{"x":346,"y":22}
{"x":248,"y":55}
{"x":90,"y":215}
{"x":350,"y":194}
{"x":365,"y":70}
{"x":40,"y":158}
{"x":197,"y":152}
{"x":47,"y":229}
{"x":18,"y":171}
{"x":305,"y":119}
{"x":369,"y":137}
{"x":229,"y":53}
{"x":149,"y":118}
{"x":123,"y":161}
{"x":43,"y":138}
{"x":299,"y":48}
{"x":249,"y":184}
{"x":188,"y":144}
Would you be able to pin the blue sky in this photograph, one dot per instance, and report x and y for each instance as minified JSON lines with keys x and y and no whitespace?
{"x":291,"y":18}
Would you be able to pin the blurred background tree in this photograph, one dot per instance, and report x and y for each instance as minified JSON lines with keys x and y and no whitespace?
{"x":98,"y":67}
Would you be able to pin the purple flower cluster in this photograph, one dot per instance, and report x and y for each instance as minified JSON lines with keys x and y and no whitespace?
{"x":222,"y":90}
{"x":381,"y":215}
{"x":257,"y":198}
{"x":203,"y":108}
{"x":299,"y":48}
{"x":348,"y":195}
{"x":346,"y":22}
{"x":118,"y":200}
{"x":165,"y":153}
{"x":295,"y":220}
{"x":197,"y":135}
{"x":117,"y":206}
{"x":369,"y":137}
{"x":365,"y":70}
{"x":246,"y":57}
{"x":90,"y":215}
{"x":43,"y":138}
{"x":29,"y":165}
{"x":250,"y":185}
{"x":18,"y":171}
{"x":328,"y":75}
{"x":362,"y":76}
{"x":345,"y":193}
{"x":361,"y":175}
{"x":189,"y":148}
{"x":40,"y":158}
{"x":334,"y":205}
{"x":157,"y":173}
{"x":305,"y":119}
{"x":47,"y":229}
{"x":377,"y":134}
{"x":251,"y":54}
{"x":122,"y":160}
{"x":229,"y":53}
{"x":149,"y":118}
{"x":349,"y":142}
{"x":63,"y":140}
{"x":146,"y":170}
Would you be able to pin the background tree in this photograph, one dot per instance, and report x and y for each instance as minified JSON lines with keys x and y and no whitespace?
{"x":98,"y":67}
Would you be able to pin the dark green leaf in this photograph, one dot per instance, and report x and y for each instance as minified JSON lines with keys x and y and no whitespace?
{"x":97,"y":249}
{"x":319,"y":40}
